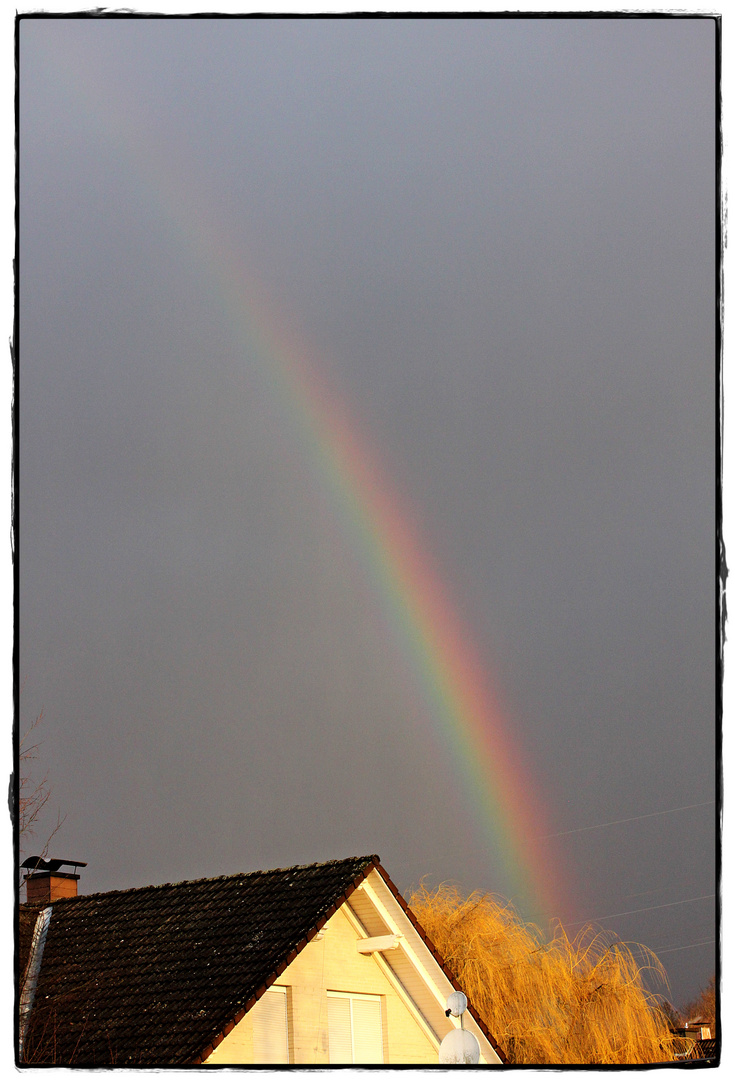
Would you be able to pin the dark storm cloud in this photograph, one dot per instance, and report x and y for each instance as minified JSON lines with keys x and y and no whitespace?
{"x":498,"y":238}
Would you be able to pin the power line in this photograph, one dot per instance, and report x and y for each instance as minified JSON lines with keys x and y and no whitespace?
{"x":637,"y":911}
{"x":623,"y":821}
{"x":678,"y":948}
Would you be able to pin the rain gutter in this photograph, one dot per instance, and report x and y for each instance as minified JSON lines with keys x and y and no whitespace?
{"x":33,"y":969}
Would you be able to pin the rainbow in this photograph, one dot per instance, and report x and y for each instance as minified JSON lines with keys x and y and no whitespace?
{"x":446,"y":672}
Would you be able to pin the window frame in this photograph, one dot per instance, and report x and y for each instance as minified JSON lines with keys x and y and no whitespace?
{"x":281,"y":992}
{"x":351,"y":996}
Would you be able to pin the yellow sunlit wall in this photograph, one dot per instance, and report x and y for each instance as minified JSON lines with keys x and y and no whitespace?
{"x":332,"y":963}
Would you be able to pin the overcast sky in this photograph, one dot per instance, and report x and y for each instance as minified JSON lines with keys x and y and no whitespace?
{"x":494,"y":240}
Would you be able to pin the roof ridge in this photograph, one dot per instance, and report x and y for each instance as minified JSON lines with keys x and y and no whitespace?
{"x":361,"y":866}
{"x":355,"y":860}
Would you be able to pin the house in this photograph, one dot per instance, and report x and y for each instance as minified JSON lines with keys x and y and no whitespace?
{"x":311,"y":965}
{"x":695,"y":1042}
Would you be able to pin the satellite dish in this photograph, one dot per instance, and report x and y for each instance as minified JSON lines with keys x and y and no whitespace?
{"x":459,"y":1047}
{"x":456,"y":1003}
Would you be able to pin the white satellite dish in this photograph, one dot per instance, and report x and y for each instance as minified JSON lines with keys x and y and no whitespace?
{"x":456,"y":1003}
{"x":459,"y":1047}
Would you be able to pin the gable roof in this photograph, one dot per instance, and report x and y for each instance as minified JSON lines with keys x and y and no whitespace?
{"x":158,"y":975}
{"x":155,"y":975}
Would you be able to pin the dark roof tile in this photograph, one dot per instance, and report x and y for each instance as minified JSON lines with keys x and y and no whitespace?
{"x":153,"y":976}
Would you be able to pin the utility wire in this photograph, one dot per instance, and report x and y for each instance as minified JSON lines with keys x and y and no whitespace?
{"x":637,"y":911}
{"x":678,"y":948}
{"x":623,"y":821}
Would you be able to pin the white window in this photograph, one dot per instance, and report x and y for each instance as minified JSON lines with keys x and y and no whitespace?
{"x":355,"y":1029}
{"x":270,"y":1028}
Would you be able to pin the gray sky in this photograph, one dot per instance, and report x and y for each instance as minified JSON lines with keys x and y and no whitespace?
{"x":495,"y":240}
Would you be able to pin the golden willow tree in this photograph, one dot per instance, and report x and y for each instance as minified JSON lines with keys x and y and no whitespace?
{"x":557,"y":1002}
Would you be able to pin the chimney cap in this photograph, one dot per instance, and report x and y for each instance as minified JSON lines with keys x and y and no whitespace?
{"x":37,"y":862}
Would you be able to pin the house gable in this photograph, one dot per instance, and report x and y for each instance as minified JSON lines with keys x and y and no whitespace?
{"x":158,"y":975}
{"x":331,"y":962}
{"x":163,"y":975}
{"x":371,"y":946}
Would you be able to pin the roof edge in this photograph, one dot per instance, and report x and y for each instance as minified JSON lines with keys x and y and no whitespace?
{"x":372,"y":863}
{"x":193,"y":881}
{"x":441,"y":962}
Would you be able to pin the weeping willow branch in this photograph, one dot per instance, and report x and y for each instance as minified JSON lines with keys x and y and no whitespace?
{"x":559,"y":1002}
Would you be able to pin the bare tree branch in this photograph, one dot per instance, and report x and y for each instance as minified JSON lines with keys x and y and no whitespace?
{"x":33,"y":793}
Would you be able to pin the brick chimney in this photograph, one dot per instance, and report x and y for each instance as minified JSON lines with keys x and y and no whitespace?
{"x":48,"y":882}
